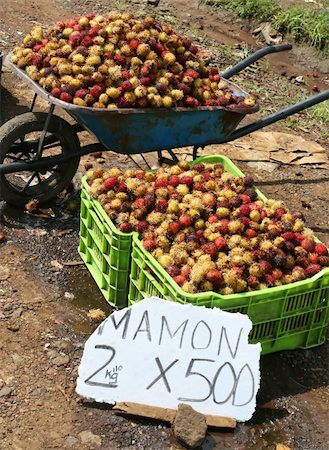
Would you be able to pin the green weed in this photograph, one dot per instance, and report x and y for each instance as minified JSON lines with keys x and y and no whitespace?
{"x":258,"y":9}
{"x":308,"y":23}
{"x":321,"y":111}
{"x":305,"y":24}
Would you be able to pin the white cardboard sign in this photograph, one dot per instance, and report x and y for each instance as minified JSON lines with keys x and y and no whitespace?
{"x":163,"y":353}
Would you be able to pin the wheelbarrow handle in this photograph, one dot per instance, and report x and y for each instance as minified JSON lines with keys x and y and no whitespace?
{"x":279,"y":115}
{"x":254,"y":57}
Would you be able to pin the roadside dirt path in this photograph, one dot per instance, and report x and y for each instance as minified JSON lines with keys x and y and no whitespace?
{"x":43,"y":309}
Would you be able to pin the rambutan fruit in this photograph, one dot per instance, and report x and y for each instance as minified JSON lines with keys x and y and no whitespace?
{"x":66,"y":97}
{"x":214,"y":276}
{"x":110,"y":183}
{"x":161,"y":205}
{"x":308,"y":244}
{"x":248,"y":181}
{"x":56,"y":92}
{"x":142,"y":226}
{"x":323,"y":261}
{"x":149,"y":244}
{"x":279,"y":212}
{"x":138,"y":203}
{"x":186,"y":270}
{"x":191,"y":102}
{"x":179,"y":279}
{"x":126,"y":86}
{"x":161,"y":182}
{"x":149,"y":199}
{"x":185,"y":220}
{"x":245,"y":199}
{"x":250,"y":233}
{"x":125,"y":227}
{"x":174,"y":180}
{"x":222,"y":226}
{"x":173,"y":271}
{"x":220,"y":243}
{"x":253,"y":282}
{"x":173,"y":228}
{"x":186,"y":179}
{"x":312,"y":269}
{"x":321,"y":249}
{"x":209,"y":248}
{"x":267,"y":268}
{"x":208,"y":199}
{"x":97,"y":90}
{"x":288,"y":235}
{"x":277,"y":274}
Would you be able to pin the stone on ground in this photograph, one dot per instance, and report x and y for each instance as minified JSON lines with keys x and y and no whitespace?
{"x":189,"y":426}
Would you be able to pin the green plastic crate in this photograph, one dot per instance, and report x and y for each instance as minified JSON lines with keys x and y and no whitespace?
{"x":105,"y":250}
{"x":285,"y":317}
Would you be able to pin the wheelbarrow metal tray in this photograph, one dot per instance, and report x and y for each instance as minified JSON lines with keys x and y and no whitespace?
{"x":134,"y":130}
{"x":144,"y":131}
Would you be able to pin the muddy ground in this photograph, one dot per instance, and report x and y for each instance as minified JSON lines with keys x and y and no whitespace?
{"x":44,"y":304}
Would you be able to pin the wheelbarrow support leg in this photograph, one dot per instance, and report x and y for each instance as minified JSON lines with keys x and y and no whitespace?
{"x":195,"y":151}
{"x":44,"y":131}
{"x":164,"y":160}
{"x":33,"y":102}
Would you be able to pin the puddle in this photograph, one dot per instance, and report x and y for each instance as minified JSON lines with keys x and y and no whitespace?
{"x":58,"y":214}
{"x":85,"y":296}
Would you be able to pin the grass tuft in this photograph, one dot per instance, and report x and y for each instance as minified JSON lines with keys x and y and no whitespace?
{"x":321,"y":112}
{"x":258,"y":9}
{"x":307,"y":23}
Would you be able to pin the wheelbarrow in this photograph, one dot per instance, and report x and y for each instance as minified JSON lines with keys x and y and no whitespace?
{"x":40,"y":152}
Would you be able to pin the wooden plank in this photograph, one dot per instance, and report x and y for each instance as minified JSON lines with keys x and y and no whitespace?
{"x":168,"y":415}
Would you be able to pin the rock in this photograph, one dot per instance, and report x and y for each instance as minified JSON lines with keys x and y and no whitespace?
{"x":14,"y":325}
{"x":4,"y":273}
{"x":89,"y":438}
{"x":269,"y":34}
{"x":305,"y":203}
{"x":300,"y":80}
{"x":61,"y":360}
{"x":189,"y":426}
{"x":71,"y":442}
{"x":17,"y":313}
{"x":63,"y":345}
{"x":56,"y":264}
{"x":6,"y":391}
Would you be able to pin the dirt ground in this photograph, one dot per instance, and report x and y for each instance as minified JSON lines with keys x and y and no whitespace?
{"x":44,"y":304}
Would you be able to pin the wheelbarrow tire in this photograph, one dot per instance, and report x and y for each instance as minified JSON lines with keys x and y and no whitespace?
{"x":17,"y":128}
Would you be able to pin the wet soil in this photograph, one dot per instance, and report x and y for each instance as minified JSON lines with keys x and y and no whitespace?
{"x":44,"y":304}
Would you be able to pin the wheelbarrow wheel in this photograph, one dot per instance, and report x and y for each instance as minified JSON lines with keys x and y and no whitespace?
{"x":19,"y":138}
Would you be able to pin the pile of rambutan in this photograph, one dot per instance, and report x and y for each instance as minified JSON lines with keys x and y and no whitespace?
{"x":118,"y":61}
{"x":208,"y":228}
